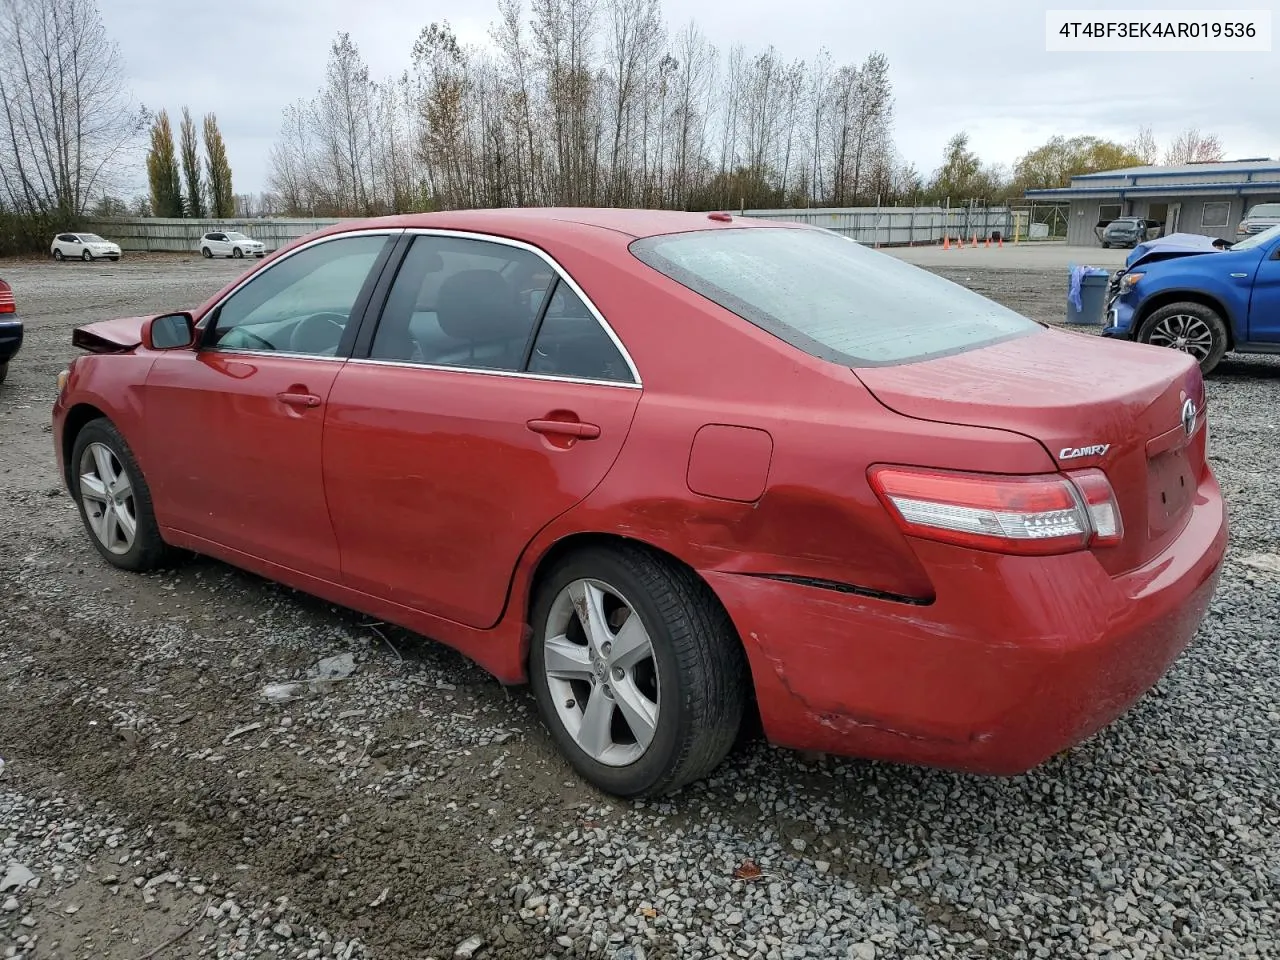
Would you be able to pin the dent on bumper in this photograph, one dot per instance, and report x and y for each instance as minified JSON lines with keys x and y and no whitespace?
{"x":1016,"y":660}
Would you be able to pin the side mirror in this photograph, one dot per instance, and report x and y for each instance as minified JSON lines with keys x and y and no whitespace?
{"x":173,"y":331}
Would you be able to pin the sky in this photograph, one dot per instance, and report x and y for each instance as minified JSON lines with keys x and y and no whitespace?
{"x":975,"y":65}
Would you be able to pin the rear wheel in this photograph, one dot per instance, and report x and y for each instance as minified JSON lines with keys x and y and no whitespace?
{"x":206,"y":253}
{"x":114,"y":499}
{"x":57,"y":254}
{"x":637,"y":670}
{"x":1193,"y":328}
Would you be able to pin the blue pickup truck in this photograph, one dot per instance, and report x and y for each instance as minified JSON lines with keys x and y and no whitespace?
{"x":10,"y":329}
{"x":1200,"y":297}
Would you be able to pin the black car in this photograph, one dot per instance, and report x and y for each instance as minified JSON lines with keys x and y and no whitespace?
{"x":1126,"y":231}
{"x":10,"y":329}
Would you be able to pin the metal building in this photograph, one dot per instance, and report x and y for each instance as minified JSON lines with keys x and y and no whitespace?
{"x":1205,"y":198}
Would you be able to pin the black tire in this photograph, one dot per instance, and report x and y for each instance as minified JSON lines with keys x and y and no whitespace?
{"x":87,"y":257}
{"x":1106,"y":245}
{"x":238,"y":253}
{"x":57,"y":255}
{"x":1207,"y":315}
{"x":206,"y":253}
{"x":148,"y":551}
{"x":4,"y":370}
{"x":701,"y":668}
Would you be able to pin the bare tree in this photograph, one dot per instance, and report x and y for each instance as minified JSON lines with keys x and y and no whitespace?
{"x":66,"y":119}
{"x":1191,"y":146}
{"x":1144,"y":145}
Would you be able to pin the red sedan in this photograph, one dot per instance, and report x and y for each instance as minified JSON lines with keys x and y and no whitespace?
{"x":663,"y":465}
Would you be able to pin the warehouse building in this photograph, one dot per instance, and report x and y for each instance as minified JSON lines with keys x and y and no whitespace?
{"x":1205,"y":198}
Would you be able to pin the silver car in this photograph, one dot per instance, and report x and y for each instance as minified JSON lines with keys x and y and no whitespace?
{"x":1261,"y":216}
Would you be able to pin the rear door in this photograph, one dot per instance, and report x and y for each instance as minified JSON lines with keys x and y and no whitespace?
{"x":235,"y":426}
{"x":489,"y":400}
{"x":1264,"y":301}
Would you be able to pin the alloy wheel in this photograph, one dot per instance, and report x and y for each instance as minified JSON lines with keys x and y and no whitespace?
{"x":601,"y":673}
{"x":107,"y":495}
{"x":1183,"y":332}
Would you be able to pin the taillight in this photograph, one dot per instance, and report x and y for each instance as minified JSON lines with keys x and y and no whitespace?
{"x":7,"y":303}
{"x":1037,"y":515}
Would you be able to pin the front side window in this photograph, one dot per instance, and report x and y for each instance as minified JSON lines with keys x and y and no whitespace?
{"x":301,"y":304}
{"x":459,"y":302}
{"x":831,"y":297}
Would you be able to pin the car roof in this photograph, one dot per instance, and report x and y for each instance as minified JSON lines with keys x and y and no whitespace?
{"x":560,"y":223}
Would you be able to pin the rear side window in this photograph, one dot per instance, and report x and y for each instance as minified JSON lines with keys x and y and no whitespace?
{"x":831,"y":297}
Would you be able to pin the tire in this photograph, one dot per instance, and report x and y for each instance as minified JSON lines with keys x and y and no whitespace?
{"x":238,"y":253}
{"x":206,"y":253}
{"x":696,"y":669}
{"x":1106,"y":245}
{"x":4,"y":370}
{"x":87,"y":257}
{"x":57,"y":255}
{"x":1197,"y":323}
{"x":147,"y":550}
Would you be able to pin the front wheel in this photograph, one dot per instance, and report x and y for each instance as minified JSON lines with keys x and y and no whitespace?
{"x":637,"y":671}
{"x":1193,"y":328}
{"x":114,"y":499}
{"x":86,"y":256}
{"x":238,"y":253}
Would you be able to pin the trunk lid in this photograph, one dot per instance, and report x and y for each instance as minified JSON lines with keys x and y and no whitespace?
{"x":1116,"y":406}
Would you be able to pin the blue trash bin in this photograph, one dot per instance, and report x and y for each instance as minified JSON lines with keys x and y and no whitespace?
{"x":1087,"y":295}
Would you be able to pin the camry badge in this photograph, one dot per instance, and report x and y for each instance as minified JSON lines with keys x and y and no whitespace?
{"x":1072,"y":453}
{"x":1189,"y":416}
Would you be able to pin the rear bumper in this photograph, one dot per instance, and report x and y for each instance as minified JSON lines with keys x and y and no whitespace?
{"x":1016,"y":660}
{"x":10,"y":339}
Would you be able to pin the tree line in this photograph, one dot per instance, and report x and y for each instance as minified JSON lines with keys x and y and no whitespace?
{"x":595,"y":102}
{"x":189,"y":191}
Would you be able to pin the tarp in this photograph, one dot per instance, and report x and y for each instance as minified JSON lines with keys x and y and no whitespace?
{"x":1078,"y":273}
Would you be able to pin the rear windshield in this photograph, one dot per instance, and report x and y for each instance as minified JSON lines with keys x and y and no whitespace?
{"x":831,"y":297}
{"x":1265,"y":210}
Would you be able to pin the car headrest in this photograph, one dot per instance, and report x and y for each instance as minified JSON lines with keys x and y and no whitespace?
{"x":479,"y":305}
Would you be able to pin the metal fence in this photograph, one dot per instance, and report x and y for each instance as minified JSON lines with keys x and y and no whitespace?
{"x":182,"y":235}
{"x":900,"y":226}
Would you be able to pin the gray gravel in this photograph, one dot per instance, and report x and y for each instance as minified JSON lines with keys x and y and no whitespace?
{"x":403,"y":805}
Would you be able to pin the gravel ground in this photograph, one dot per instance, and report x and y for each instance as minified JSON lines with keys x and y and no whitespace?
{"x":154,"y":804}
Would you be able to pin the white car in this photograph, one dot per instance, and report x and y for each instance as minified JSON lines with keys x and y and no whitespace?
{"x":83,"y":246}
{"x":228,"y":244}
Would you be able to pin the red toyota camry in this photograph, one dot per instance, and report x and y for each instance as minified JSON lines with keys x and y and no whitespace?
{"x":663,"y":465}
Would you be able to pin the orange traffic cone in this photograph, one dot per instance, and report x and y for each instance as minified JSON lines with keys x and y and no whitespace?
{"x":988,"y":243}
{"x":946,"y":242}
{"x":1000,"y":241}
{"x":975,"y":238}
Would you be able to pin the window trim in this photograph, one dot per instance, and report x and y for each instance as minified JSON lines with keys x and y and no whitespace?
{"x":373,"y":316}
{"x":1226,"y":218}
{"x":359,"y":310}
{"x":1119,"y":210}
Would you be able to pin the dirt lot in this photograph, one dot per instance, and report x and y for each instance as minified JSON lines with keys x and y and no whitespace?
{"x":166,"y":811}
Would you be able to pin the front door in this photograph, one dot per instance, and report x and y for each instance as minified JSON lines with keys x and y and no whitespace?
{"x":469,"y":426}
{"x":234,"y":427}
{"x":1264,"y":302}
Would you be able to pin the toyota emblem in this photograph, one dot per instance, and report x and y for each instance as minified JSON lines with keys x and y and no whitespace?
{"x":1189,"y":416}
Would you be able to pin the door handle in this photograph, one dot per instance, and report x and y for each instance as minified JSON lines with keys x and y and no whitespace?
{"x":298,"y":399}
{"x":565,"y":428}
{"x":1239,"y":276}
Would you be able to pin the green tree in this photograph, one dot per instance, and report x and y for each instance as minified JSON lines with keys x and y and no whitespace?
{"x":162,"y":170}
{"x":222,"y":199}
{"x":190,"y":149}
{"x":1056,"y":162}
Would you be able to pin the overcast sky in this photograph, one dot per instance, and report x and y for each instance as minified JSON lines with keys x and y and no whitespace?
{"x":976,"y":65}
